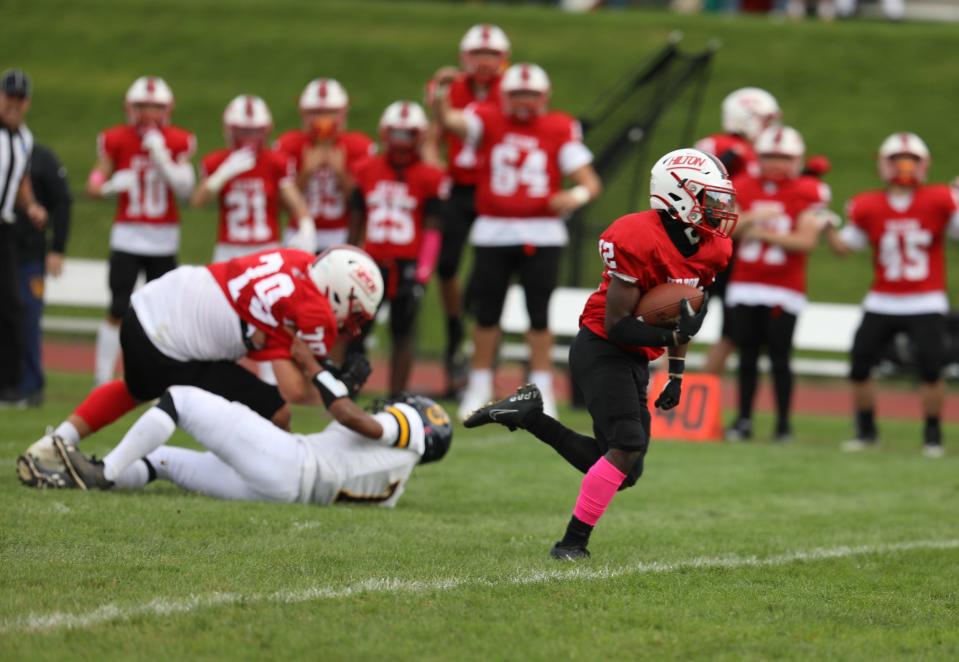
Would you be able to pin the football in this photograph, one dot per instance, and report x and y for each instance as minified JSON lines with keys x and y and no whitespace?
{"x":660,"y":305}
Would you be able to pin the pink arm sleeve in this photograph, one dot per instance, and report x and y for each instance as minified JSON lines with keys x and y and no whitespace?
{"x":429,"y":254}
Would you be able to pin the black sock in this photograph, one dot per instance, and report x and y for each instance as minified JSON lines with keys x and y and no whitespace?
{"x":454,"y":336}
{"x":579,"y":450}
{"x":577,"y":533}
{"x":866,"y":425}
{"x":165,"y":403}
{"x":932,"y":433}
{"x":151,"y":471}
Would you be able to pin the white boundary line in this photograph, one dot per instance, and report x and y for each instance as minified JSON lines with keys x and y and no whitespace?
{"x":387,"y":585}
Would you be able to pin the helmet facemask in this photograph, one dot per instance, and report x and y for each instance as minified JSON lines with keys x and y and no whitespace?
{"x":402,"y":146}
{"x":483,"y":65}
{"x":712,"y":209}
{"x":906,"y":170}
{"x":525,"y":105}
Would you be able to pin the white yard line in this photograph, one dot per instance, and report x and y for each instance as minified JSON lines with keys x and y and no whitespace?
{"x":386,"y":585}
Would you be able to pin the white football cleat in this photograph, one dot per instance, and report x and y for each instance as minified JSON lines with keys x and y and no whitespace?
{"x":856,"y":445}
{"x":44,"y":452}
{"x":934,"y":451}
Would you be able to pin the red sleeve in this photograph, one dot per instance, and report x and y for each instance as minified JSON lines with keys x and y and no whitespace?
{"x":211,"y":162}
{"x":438,"y":185}
{"x":855,"y":212}
{"x":108,"y":144}
{"x":289,"y":145}
{"x":622,"y":254}
{"x":312,"y":318}
{"x":949,"y":202}
{"x":181,"y":143}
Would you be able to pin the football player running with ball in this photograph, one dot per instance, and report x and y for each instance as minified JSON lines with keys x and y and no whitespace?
{"x":396,"y":211}
{"x":249,"y":180}
{"x":905,"y":224}
{"x":683,"y":239}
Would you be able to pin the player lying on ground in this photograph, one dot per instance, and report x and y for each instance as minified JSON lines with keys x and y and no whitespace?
{"x":683,"y":239}
{"x":249,"y":458}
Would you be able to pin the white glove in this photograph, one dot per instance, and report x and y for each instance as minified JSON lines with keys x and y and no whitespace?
{"x":828,"y":217}
{"x":122,"y":181}
{"x":155,"y":144}
{"x":235,"y":164}
{"x":305,"y":238}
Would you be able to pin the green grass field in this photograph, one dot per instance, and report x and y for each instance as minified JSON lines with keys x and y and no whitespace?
{"x":748,"y":551}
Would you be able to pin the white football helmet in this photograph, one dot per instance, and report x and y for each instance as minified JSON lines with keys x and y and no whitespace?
{"x":148,"y":90}
{"x":694,"y":187}
{"x":782,"y":141}
{"x":484,"y":51}
{"x":247,"y":122}
{"x":402,"y":128}
{"x":748,"y":111}
{"x":353,"y":284}
{"x":525,"y":77}
{"x":326,"y":96}
{"x":904,"y":172}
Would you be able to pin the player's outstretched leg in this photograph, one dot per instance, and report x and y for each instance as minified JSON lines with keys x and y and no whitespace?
{"x":510,"y":411}
{"x":524,"y":409}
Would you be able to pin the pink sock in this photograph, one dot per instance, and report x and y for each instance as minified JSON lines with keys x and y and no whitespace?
{"x":599,"y":487}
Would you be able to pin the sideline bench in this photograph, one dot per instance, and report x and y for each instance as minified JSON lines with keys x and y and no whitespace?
{"x":824,"y":327}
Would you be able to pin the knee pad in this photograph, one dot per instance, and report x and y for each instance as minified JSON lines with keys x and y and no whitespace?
{"x":629,"y":434}
{"x":930,"y":370}
{"x":485,"y":311}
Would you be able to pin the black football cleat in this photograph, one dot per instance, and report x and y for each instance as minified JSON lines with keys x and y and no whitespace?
{"x":33,"y":473}
{"x":562,"y":552}
{"x":509,"y":411}
{"x":86,"y":473}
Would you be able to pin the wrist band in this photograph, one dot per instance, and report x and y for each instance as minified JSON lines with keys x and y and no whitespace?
{"x":580,"y":194}
{"x":330,"y":387}
{"x":677,"y":365}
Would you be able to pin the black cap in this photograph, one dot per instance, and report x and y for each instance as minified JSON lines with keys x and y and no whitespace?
{"x":15,"y":83}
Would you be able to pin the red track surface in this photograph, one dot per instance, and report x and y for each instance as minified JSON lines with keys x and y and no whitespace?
{"x":830,"y":398}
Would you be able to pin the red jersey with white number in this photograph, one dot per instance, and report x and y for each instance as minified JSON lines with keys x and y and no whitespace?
{"x":151,"y":201}
{"x":908,"y":255}
{"x":461,"y":157}
{"x":325,"y":197}
{"x":521,"y":164}
{"x":761,"y":263}
{"x":637,"y":249}
{"x":395,"y":201}
{"x":249,"y":203}
{"x":272,"y":291}
{"x":737,"y":153}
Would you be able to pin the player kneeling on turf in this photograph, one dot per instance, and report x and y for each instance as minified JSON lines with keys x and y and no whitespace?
{"x":683,"y":239}
{"x":251,"y":459}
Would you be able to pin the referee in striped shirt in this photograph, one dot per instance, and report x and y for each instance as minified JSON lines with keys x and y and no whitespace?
{"x":16,"y":145}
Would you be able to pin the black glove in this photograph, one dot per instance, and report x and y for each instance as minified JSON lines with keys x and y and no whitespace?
{"x":356,"y":370}
{"x":690,"y":321}
{"x":354,"y":373}
{"x":671,"y":393}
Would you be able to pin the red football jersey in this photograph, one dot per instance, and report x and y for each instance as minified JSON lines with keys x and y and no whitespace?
{"x":759,"y":262}
{"x":394,"y":206}
{"x":461,"y":158}
{"x":743,"y":161}
{"x":519,"y":162}
{"x":152,"y":201}
{"x":272,"y":291}
{"x":637,"y":249}
{"x":324,"y":196}
{"x":908,"y":255}
{"x":249,"y":203}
